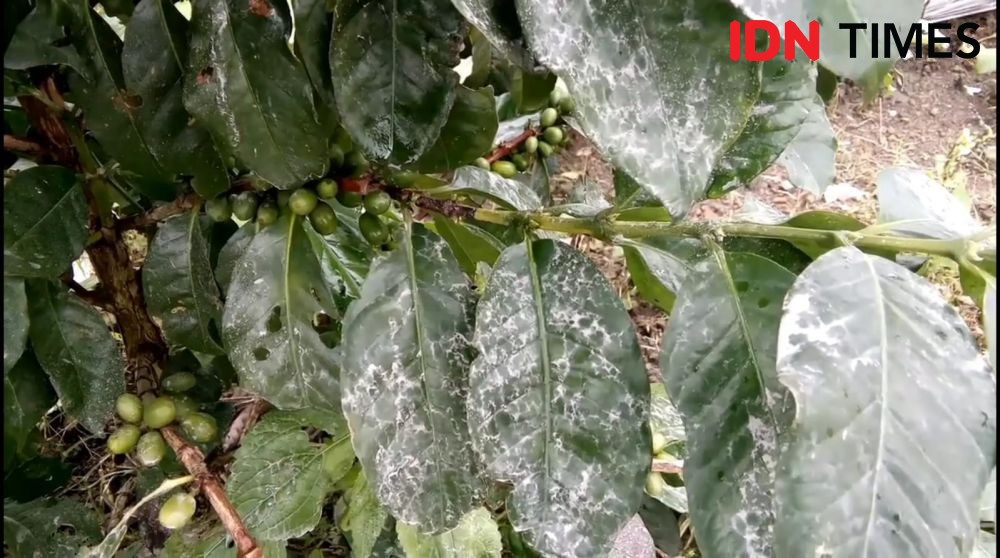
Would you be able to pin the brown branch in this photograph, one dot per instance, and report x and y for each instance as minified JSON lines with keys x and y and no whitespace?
{"x":161,"y":212}
{"x":243,"y":422}
{"x":13,"y":143}
{"x":194,"y":462}
{"x":666,"y":468}
{"x":507,"y":148}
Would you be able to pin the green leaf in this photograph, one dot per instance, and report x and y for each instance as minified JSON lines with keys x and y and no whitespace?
{"x":188,"y":543}
{"x":497,"y":20}
{"x":313,"y":22}
{"x":363,"y":517}
{"x":718,"y":365}
{"x":990,"y":321}
{"x":47,"y":527}
{"x":475,"y":536}
{"x":280,"y":289}
{"x":180,"y":290}
{"x":15,"y":321}
{"x":531,"y":89}
{"x":470,"y":245}
{"x":675,"y":102}
{"x":824,"y":221}
{"x":158,"y":38}
{"x":915,"y":205}
{"x":27,"y":395}
{"x":245,"y":86}
{"x":662,"y":524}
{"x":277,"y":482}
{"x":391,"y":64}
{"x":404,"y":382}
{"x":40,"y":40}
{"x":44,"y":222}
{"x":786,"y":94}
{"x":482,"y":60}
{"x":664,"y":418}
{"x":466,"y":135}
{"x":559,"y":399}
{"x":231,"y":253}
{"x":112,"y":113}
{"x":811,"y":156}
{"x":882,"y":368}
{"x":474,"y":181}
{"x":659,"y":265}
{"x":77,"y":351}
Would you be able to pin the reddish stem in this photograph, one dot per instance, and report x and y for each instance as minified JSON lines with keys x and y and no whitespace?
{"x":506,"y":148}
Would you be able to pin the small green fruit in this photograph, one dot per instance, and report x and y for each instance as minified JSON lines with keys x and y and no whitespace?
{"x":129,"y":408}
{"x":151,"y":448}
{"x":302,"y":202}
{"x":323,"y":219}
{"x":377,"y":202}
{"x":268,"y":213}
{"x":357,"y":162}
{"x":327,"y":188}
{"x":200,"y":427}
{"x":566,"y":137}
{"x":659,"y":442}
{"x":505,"y":169}
{"x":567,"y":105}
{"x":482,"y":163}
{"x":124,"y":439}
{"x":555,"y":97}
{"x":531,"y":145}
{"x":184,"y":406}
{"x":349,"y":199}
{"x":549,"y":117}
{"x":373,"y":229}
{"x":177,"y":510}
{"x":336,"y":156}
{"x":553,"y":135}
{"x":160,"y":412}
{"x":655,"y":485}
{"x":520,"y":162}
{"x":662,"y":456}
{"x":545,"y":149}
{"x":179,"y":382}
{"x":218,"y":209}
{"x":245,"y":206}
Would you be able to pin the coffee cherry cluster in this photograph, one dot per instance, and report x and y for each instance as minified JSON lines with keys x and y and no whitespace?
{"x":655,"y":483}
{"x":158,"y":412}
{"x":267,"y":206}
{"x":550,"y":138}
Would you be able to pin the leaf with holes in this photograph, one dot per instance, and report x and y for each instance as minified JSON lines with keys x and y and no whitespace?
{"x":466,"y":135}
{"x":158,"y":38}
{"x":27,"y":395}
{"x":180,"y":290}
{"x":476,"y":182}
{"x":404,"y":382}
{"x":653,"y":83}
{"x":77,"y":351}
{"x":718,"y":365}
{"x":15,"y":321}
{"x":882,"y":368}
{"x":559,"y":399}
{"x":277,"y":482}
{"x":391,"y":64}
{"x":48,"y":527}
{"x":44,"y":222}
{"x":913,"y":204}
{"x":475,"y":536}
{"x":279,"y":304}
{"x":246,"y":87}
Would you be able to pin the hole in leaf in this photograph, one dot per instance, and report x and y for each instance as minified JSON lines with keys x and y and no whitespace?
{"x":322,"y":322}
{"x":742,"y":286}
{"x":205,"y":75}
{"x":763,"y":303}
{"x":260,"y":353}
{"x":274,"y":320}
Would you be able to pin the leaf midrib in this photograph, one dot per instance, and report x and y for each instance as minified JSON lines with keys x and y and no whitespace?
{"x":545,"y":365}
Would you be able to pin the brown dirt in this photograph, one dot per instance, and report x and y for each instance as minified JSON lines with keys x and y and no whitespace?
{"x":938,"y":115}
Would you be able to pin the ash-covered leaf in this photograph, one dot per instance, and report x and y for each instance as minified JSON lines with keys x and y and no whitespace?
{"x":477,"y":182}
{"x":48,"y":527}
{"x":475,"y":536}
{"x":915,"y":205}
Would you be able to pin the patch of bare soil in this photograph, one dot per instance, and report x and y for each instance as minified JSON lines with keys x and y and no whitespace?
{"x":938,"y":116}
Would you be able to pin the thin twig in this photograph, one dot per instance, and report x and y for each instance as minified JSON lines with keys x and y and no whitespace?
{"x":506,"y":148}
{"x":243,"y":422}
{"x":12,"y":143}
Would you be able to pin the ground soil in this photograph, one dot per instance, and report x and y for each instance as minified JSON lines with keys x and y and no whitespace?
{"x":938,"y":115}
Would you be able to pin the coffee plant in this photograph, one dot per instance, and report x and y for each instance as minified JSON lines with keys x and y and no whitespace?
{"x":297,"y":268}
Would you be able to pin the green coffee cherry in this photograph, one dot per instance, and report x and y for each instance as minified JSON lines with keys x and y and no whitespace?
{"x":327,"y":188}
{"x":323,"y":219}
{"x":268,"y":213}
{"x":349,"y":199}
{"x":151,"y":449}
{"x":245,"y":206}
{"x":336,"y":156}
{"x":377,"y":202}
{"x":554,"y":97}
{"x":655,"y":485}
{"x":531,"y":145}
{"x":177,"y":510}
{"x":505,"y":169}
{"x":179,"y":382}
{"x":200,"y":427}
{"x":545,"y":149}
{"x":520,"y":162}
{"x":160,"y":412}
{"x":566,"y":137}
{"x":302,"y":202}
{"x":373,"y":229}
{"x":284,"y":196}
{"x":129,"y":408}
{"x":184,"y":406}
{"x":218,"y":209}
{"x":549,"y":117}
{"x":482,"y":163}
{"x":357,"y":162}
{"x":567,"y":105}
{"x":124,"y":439}
{"x":659,"y":442}
{"x":553,"y":135}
